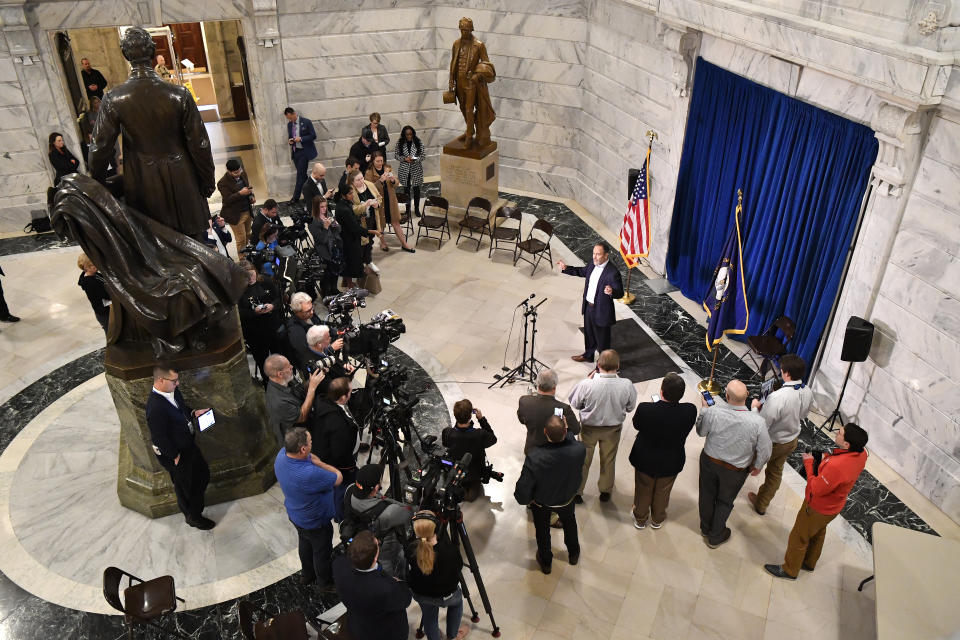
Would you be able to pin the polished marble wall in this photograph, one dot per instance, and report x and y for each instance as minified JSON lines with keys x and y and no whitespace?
{"x":579,"y":83}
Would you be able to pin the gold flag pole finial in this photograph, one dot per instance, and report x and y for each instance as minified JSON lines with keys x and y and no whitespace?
{"x":652,"y":135}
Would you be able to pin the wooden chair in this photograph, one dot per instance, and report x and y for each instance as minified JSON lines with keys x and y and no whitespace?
{"x":431,"y":221}
{"x":499,"y":232}
{"x":535,"y":246}
{"x":770,"y":346}
{"x":476,"y":218}
{"x":142,"y":602}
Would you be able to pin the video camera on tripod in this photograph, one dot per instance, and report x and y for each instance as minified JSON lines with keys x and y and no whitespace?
{"x":437,"y":485}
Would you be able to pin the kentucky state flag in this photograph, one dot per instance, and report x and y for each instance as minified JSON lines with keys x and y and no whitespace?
{"x":726,"y":302}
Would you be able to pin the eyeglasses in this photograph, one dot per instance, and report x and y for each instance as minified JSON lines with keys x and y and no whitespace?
{"x":173,"y":380}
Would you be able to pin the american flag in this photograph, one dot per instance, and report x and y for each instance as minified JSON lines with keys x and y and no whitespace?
{"x":635,"y":232}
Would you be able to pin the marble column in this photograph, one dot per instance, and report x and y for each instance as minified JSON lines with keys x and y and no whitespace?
{"x":900,"y":133}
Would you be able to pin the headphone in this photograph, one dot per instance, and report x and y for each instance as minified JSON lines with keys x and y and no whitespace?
{"x":428,"y":515}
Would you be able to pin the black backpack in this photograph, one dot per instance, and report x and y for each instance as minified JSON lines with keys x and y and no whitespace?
{"x":356,"y":521}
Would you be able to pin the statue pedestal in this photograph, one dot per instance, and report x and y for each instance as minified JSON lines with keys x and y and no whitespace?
{"x":467,"y":173}
{"x":239,"y":448}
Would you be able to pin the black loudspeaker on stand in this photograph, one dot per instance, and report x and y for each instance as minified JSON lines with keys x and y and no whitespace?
{"x":857,"y":340}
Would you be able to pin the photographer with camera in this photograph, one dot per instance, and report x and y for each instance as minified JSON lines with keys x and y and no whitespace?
{"x":267,"y":247}
{"x":259,"y":308}
{"x":549,"y":482}
{"x":302,"y":317}
{"x":364,"y":507}
{"x":269,"y":213}
{"x":434,"y":578}
{"x":336,"y":433}
{"x":308,"y":486}
{"x":284,"y":407}
{"x":830,"y":477}
{"x":464,"y":438}
{"x":534,"y":410}
{"x":327,"y":244}
{"x":325,"y":355}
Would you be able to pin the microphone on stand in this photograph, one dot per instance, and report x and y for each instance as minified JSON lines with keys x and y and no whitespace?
{"x":526,"y":300}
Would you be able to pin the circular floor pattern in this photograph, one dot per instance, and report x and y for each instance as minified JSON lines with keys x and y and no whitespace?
{"x":61,"y":522}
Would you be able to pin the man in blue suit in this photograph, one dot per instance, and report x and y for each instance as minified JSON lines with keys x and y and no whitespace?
{"x":300,"y":137}
{"x":602,"y":284}
{"x":172,"y":432}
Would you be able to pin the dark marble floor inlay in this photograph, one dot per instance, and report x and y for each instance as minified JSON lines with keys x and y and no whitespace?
{"x":23,"y":615}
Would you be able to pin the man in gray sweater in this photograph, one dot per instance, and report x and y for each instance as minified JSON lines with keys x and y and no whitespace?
{"x":391,"y":520}
{"x":784,"y":411}
{"x":603,"y":399}
{"x":737,"y":444}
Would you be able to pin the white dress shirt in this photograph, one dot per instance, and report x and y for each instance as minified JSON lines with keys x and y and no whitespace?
{"x":594,"y":282}
{"x":168,"y":396}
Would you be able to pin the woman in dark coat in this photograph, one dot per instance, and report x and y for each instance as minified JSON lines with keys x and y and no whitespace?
{"x":327,"y":243}
{"x":64,"y":162}
{"x":351,"y":232}
{"x":93,"y":285}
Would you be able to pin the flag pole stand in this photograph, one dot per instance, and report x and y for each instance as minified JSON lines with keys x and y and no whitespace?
{"x":710,"y":384}
{"x":628,"y":297}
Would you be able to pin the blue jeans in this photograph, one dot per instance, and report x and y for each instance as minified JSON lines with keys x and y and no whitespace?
{"x":430,"y":610}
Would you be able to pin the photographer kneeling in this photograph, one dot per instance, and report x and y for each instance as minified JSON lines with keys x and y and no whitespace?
{"x":364,"y":507}
{"x":434,"y":578}
{"x":464,"y":438}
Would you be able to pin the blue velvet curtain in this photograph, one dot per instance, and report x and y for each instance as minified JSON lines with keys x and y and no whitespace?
{"x":803,"y":172}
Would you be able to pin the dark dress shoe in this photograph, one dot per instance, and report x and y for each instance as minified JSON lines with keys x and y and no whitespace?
{"x":777,"y":571}
{"x":202,"y":523}
{"x":604,"y":496}
{"x":580,"y":358}
{"x":578,"y":499}
{"x":545,"y":568}
{"x":805,"y":567}
{"x":409,"y":249}
{"x":752,"y":497}
{"x":574,"y":558}
{"x":10,"y":318}
{"x":713,"y":544}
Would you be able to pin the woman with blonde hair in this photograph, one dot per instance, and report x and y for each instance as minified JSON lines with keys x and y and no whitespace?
{"x":366,"y":203}
{"x":92,"y":283}
{"x":434,"y":579}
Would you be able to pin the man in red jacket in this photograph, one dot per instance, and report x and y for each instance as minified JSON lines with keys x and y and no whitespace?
{"x":827,"y":488}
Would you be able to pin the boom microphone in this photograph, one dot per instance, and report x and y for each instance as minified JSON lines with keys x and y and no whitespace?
{"x":532,"y":296}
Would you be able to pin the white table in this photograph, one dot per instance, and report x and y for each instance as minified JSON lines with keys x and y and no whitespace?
{"x":918,"y":584}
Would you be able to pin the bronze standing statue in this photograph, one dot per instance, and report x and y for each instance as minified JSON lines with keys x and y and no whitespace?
{"x":470,"y":72}
{"x":169,"y":290}
{"x":168,"y":171}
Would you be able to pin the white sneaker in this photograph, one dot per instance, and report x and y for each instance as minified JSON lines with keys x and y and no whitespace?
{"x":374,"y":268}
{"x":639,"y":525}
{"x":656,"y":525}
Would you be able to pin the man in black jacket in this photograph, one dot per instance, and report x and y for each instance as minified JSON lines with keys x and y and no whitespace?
{"x":376,"y":603}
{"x":548,"y":482}
{"x":601,"y":285}
{"x":363,"y":150}
{"x":316,"y":185}
{"x":350,"y":232}
{"x":464,"y":438}
{"x":93,"y":81}
{"x":172,"y":433}
{"x":336,"y":436}
{"x":302,"y":319}
{"x":658,"y":454}
{"x":534,"y":410}
{"x":269,"y":212}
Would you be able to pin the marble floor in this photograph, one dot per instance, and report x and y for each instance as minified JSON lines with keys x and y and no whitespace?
{"x":459,"y":309}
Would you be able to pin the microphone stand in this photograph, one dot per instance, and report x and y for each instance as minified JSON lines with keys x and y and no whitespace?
{"x":529,"y":367}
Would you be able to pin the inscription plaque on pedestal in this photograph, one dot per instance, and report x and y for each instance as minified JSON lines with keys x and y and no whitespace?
{"x":463,"y":177}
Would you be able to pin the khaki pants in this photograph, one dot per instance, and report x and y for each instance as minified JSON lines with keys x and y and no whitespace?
{"x":773,"y":473}
{"x":241,"y":232}
{"x":806,"y":539}
{"x":609,"y":440}
{"x":651,"y":495}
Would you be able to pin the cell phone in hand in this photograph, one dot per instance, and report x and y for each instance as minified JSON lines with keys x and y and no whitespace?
{"x":654,"y":398}
{"x":558,"y":411}
{"x":708,"y":398}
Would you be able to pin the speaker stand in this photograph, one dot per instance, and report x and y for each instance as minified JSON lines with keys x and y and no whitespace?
{"x":835,"y":414}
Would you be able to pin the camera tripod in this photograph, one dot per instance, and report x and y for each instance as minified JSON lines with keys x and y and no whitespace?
{"x":451,"y":519}
{"x":529,"y":367}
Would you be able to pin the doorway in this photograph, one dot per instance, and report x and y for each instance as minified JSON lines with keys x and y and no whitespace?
{"x":207,"y":58}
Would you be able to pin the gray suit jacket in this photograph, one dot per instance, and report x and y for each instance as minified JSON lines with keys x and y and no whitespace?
{"x":534,"y":411}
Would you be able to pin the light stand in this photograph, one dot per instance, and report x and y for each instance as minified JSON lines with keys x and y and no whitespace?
{"x":529,"y":367}
{"x":835,"y":414}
